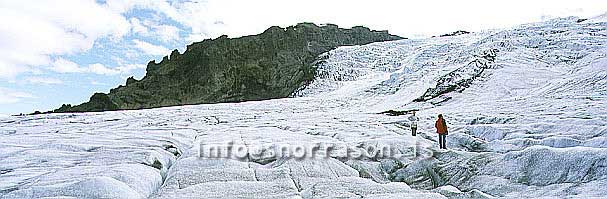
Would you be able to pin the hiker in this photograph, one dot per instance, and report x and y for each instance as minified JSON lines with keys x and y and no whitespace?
{"x":441,"y":129}
{"x":413,"y":125}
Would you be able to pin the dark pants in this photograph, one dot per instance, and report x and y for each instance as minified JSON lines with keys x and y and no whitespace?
{"x":442,"y":141}
{"x":413,"y":131}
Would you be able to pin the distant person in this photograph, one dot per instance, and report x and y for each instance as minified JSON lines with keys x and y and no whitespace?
{"x":413,"y":119}
{"x":441,"y":129}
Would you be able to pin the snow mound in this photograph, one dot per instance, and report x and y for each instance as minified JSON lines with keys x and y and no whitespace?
{"x":98,"y":187}
{"x":598,"y":19}
{"x":570,"y":165}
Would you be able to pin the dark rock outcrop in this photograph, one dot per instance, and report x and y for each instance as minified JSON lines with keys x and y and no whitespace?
{"x":269,"y":65}
{"x":397,"y":113}
{"x":456,"y":33}
{"x":97,"y":102}
{"x":460,"y":78}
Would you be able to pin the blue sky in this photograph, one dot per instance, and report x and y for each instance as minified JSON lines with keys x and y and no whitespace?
{"x":61,"y":51}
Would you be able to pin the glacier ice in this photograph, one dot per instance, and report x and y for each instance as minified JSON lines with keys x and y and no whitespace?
{"x":525,"y":108}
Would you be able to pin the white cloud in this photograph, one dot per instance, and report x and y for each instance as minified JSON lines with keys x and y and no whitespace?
{"x":137,"y":26}
{"x":167,"y":33}
{"x":100,"y":69}
{"x":34,"y":30}
{"x":401,"y":17}
{"x":201,"y":16}
{"x":9,"y":96}
{"x":66,"y":66}
{"x":43,"y":80}
{"x":150,"y":49}
{"x":8,"y":72}
{"x":127,"y":68}
{"x":150,"y":28}
{"x":206,"y":18}
{"x":212,"y":18}
{"x":122,"y":69}
{"x":96,"y":83}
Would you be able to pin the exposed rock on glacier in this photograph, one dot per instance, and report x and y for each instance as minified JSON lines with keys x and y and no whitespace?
{"x":462,"y":77}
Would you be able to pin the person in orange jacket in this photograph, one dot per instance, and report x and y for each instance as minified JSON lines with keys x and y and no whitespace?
{"x":441,"y":129}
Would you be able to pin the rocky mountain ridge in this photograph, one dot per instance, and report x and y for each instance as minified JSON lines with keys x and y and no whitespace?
{"x":269,"y":65}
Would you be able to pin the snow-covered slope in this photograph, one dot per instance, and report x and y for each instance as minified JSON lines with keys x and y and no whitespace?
{"x":525,"y":108}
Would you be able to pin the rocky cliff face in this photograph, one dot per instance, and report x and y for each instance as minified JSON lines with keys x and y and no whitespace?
{"x":269,"y":65}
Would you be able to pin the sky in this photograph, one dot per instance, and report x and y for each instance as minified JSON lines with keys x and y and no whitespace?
{"x":55,"y":52}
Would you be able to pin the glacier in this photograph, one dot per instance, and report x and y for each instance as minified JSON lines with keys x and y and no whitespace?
{"x":526,"y":109}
